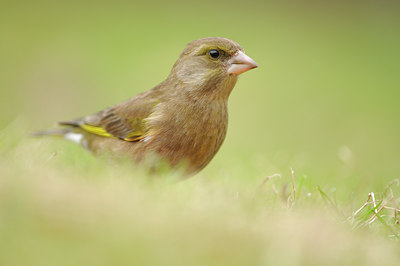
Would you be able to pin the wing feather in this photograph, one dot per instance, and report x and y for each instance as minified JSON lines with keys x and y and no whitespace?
{"x":125,"y":121}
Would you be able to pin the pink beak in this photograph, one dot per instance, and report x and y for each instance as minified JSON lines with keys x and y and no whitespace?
{"x":240,"y":63}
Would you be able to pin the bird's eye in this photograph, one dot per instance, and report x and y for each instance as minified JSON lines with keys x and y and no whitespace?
{"x":214,"y":53}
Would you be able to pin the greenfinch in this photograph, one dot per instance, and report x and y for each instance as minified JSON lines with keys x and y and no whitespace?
{"x":183,"y":120}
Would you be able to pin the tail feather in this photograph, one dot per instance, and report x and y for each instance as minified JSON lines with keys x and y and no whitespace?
{"x":59,"y":132}
{"x":69,"y":123}
{"x":69,"y":133}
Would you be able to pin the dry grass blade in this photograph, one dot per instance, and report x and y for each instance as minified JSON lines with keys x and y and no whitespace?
{"x":392,"y":199}
{"x":292,"y":196}
{"x":374,"y":203}
{"x":365,"y":217}
{"x":360,"y":209}
{"x":265,"y":180}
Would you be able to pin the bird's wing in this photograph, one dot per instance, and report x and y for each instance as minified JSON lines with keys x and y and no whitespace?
{"x":124,"y":121}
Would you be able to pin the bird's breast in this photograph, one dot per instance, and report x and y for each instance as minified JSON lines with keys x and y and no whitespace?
{"x":191,"y":132}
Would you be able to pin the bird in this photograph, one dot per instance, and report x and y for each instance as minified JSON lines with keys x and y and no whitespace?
{"x":182,"y":121}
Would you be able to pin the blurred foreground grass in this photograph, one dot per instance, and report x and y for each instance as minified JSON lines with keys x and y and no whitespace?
{"x":61,"y":206}
{"x":324,"y":101}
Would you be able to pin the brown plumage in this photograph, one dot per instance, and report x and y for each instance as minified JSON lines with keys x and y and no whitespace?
{"x":183,"y":119}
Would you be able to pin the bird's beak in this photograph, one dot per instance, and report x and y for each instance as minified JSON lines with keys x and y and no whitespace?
{"x":240,"y":63}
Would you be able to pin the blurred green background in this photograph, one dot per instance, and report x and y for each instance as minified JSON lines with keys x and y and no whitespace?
{"x":324,"y":101}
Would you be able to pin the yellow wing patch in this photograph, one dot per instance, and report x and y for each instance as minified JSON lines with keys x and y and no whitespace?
{"x":134,"y":136}
{"x":96,"y":130}
{"x":133,"y":139}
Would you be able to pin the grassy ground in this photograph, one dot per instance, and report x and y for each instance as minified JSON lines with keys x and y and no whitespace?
{"x":64,"y":207}
{"x":324,"y":103}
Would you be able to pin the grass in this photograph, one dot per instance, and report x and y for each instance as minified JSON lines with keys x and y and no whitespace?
{"x":61,"y":206}
{"x":306,"y":176}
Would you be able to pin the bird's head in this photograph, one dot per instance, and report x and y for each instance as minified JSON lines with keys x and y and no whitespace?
{"x":211,"y":64}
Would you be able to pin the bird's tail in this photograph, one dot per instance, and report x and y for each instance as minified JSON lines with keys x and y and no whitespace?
{"x":69,"y":133}
{"x":59,"y":132}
